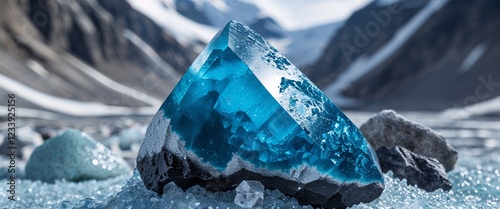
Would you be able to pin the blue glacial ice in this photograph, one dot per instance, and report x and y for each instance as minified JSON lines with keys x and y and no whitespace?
{"x":242,"y":110}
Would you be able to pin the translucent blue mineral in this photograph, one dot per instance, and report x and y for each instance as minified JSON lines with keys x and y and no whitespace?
{"x":242,"y":104}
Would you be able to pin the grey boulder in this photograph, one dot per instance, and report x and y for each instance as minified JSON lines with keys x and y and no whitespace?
{"x":427,"y":173}
{"x":389,"y":129}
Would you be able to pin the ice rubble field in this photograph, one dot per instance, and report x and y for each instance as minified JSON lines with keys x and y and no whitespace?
{"x":476,"y":184}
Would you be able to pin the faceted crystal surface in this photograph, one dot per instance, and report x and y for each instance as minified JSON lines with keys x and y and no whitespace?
{"x":249,"y":194}
{"x":242,"y":106}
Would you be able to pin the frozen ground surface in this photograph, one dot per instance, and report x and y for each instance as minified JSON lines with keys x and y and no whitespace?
{"x":477,"y":187}
{"x":476,"y":181}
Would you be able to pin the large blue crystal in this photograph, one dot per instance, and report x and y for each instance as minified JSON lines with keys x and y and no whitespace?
{"x":242,"y":111}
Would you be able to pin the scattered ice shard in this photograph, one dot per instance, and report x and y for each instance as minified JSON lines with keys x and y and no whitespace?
{"x":242,"y":111}
{"x":249,"y":194}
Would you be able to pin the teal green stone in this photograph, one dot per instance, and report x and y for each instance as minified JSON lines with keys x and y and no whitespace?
{"x":242,"y":98}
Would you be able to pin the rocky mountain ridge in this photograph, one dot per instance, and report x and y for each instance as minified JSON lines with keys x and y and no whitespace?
{"x":87,"y":51}
{"x":431,"y":55}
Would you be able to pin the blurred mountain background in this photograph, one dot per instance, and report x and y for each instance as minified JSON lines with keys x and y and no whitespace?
{"x":122,"y":57}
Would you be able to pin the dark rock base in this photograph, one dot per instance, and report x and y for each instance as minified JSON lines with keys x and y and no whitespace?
{"x":165,"y":167}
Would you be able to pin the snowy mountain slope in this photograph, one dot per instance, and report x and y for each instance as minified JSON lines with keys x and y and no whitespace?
{"x":292,"y":26}
{"x":184,"y":30}
{"x":108,"y":55}
{"x":367,"y":63}
{"x":312,"y":40}
{"x":99,"y":62}
{"x":131,"y":53}
{"x":292,"y":15}
{"x":342,"y":49}
{"x":299,"y":14}
{"x":218,"y":12}
{"x":66,"y":106}
{"x":449,"y":59}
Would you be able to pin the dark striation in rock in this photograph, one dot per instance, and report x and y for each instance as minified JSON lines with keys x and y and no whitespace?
{"x":389,"y":129}
{"x":427,"y":173}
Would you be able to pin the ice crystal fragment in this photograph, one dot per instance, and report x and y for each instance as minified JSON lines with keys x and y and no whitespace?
{"x":242,"y":111}
{"x":249,"y":194}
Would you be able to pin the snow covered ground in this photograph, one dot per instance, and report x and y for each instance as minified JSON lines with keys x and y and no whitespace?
{"x":472,"y":188}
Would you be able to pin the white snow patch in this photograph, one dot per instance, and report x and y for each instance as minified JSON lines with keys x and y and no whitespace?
{"x":301,"y":14}
{"x":472,"y":58}
{"x":220,"y":5}
{"x":483,"y":108}
{"x":364,"y":64}
{"x":111,"y":84}
{"x":172,"y":75}
{"x":309,"y":24}
{"x":291,"y":14}
{"x":183,"y":29}
{"x":33,"y":113}
{"x":37,"y":68}
{"x":66,"y":106}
